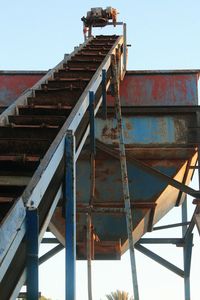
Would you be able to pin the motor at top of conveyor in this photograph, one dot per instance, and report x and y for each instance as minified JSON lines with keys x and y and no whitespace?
{"x":98,"y":17}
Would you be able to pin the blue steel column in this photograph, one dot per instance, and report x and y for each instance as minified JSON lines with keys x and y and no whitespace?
{"x":70,"y":217}
{"x":184,"y":229}
{"x":187,"y":265}
{"x":104,"y":94}
{"x":32,"y":231}
{"x":187,"y":252}
{"x":92,"y":123}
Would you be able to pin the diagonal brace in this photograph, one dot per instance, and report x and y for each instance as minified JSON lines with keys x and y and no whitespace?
{"x":160,"y":260}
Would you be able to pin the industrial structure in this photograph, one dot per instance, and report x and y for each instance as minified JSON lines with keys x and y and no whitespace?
{"x":64,"y":168}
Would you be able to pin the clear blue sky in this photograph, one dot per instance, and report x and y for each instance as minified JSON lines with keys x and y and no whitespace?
{"x":164,"y":35}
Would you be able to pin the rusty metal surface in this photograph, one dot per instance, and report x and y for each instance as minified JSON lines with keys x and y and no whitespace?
{"x":149,"y":130}
{"x":158,"y":88}
{"x":12,"y":84}
{"x":159,"y":137}
{"x":141,"y":88}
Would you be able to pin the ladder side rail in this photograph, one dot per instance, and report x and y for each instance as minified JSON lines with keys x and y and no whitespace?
{"x":124,"y":175}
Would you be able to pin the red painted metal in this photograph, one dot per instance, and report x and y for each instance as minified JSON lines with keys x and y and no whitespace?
{"x":158,"y":88}
{"x":13,"y":84}
{"x":140,"y":88}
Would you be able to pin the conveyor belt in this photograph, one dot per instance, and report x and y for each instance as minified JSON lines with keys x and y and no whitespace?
{"x":31,"y":147}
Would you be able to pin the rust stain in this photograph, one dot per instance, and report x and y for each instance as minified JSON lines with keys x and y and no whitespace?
{"x":128,"y":126}
{"x":111,"y":133}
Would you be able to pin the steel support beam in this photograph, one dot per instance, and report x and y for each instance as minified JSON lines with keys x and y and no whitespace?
{"x":70,"y":217}
{"x":170,"y":226}
{"x":173,"y":241}
{"x":23,"y":295}
{"x":50,"y":253}
{"x":104,"y":94}
{"x":92,"y":121}
{"x":187,"y":252}
{"x":32,"y":232}
{"x":50,"y":241}
{"x":160,"y":260}
{"x":187,"y":255}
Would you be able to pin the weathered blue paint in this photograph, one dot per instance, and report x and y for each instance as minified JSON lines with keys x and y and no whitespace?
{"x":32,"y":232}
{"x":70,"y":218}
{"x":143,"y":187}
{"x":144,"y":130}
{"x":108,"y":177}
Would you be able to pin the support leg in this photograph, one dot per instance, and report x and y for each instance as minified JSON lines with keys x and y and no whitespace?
{"x":187,"y":265}
{"x":32,"y":231}
{"x":89,"y":256}
{"x":70,"y":217}
{"x":187,"y":252}
{"x":104,"y":94}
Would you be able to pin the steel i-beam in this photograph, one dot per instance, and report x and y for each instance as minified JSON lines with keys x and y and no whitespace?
{"x":70,"y":217}
{"x":32,"y":232}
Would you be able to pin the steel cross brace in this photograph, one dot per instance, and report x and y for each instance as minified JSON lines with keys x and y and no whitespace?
{"x":186,"y":242}
{"x":160,"y":260}
{"x":187,"y":254}
{"x":50,"y":253}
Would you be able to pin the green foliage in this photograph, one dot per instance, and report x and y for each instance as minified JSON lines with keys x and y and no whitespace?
{"x":44,"y":298}
{"x":118,"y":295}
